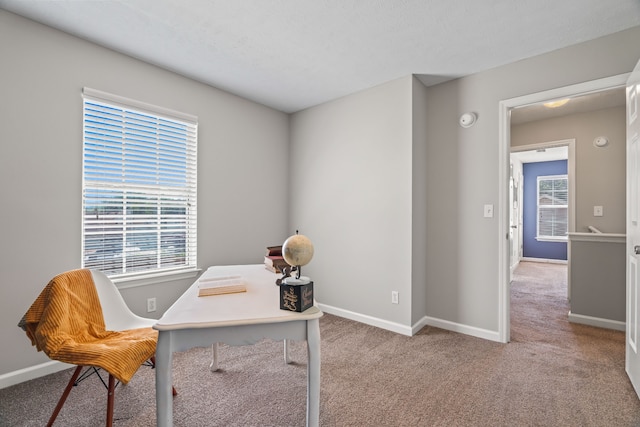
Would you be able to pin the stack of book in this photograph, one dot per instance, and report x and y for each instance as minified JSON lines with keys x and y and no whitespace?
{"x":273,"y":260}
{"x":220,"y":285}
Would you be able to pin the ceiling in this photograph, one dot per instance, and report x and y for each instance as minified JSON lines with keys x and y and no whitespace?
{"x":294,"y":54}
{"x":541,"y":155}
{"x":609,"y":98}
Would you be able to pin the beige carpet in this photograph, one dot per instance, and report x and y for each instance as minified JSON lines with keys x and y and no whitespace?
{"x":553,"y":373}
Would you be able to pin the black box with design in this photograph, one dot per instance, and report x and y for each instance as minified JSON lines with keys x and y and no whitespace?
{"x":296,"y":296}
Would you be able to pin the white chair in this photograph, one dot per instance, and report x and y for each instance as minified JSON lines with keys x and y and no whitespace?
{"x":118,"y":316}
{"x":64,"y":297}
{"x":116,"y":313}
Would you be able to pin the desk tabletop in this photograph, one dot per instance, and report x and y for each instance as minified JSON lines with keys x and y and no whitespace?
{"x":259,"y":304}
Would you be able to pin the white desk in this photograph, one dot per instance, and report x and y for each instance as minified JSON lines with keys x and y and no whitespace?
{"x":235,"y":319}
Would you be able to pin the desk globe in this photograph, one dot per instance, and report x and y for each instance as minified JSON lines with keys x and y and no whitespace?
{"x":296,"y":293}
{"x":297,"y":251}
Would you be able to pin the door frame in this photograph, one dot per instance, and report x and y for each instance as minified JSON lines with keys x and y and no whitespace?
{"x":504,"y":149}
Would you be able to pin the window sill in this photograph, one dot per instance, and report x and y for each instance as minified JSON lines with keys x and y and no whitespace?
{"x":154,"y":278}
{"x":552,"y":239}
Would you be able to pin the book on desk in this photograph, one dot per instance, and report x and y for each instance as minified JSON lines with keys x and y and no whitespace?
{"x":273,"y":259}
{"x":220,"y":285}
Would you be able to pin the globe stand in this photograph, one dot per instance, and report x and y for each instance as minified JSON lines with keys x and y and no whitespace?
{"x":296,"y":281}
{"x":296,"y":293}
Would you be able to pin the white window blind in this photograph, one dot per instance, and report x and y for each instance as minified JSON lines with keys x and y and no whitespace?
{"x":139,"y":187}
{"x":553,"y":206}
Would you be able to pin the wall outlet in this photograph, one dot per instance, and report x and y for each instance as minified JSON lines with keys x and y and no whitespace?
{"x":151,"y":304}
{"x":394,"y":297}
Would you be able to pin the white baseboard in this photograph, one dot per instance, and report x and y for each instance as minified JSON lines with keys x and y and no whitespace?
{"x":36,"y":371}
{"x":410,"y":331}
{"x":51,"y":367}
{"x":457,"y":327}
{"x":367,"y":320}
{"x":597,"y":321}
{"x":550,"y":261}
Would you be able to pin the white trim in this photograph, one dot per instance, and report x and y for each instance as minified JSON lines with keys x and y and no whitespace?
{"x":547,"y":260}
{"x":558,"y":239}
{"x":32,"y":372}
{"x":153,"y":279}
{"x":598,"y":237}
{"x":597,"y":321}
{"x":410,"y":331}
{"x":419,"y":325}
{"x":459,"y":328}
{"x":37,"y":371}
{"x":504,"y":141}
{"x":121,"y":101}
{"x":367,"y":320}
{"x":504,"y":210}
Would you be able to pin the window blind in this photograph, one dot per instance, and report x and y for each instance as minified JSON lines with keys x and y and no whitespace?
{"x":553,"y":197}
{"x":139,"y":187}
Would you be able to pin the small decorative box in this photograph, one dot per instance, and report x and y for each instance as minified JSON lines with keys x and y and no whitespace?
{"x":296,"y":295}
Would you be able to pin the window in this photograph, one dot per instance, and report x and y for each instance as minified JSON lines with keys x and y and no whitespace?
{"x":139,"y":187}
{"x":553,"y":196}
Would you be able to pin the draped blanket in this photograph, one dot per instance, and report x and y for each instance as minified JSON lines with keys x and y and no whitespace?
{"x":66,"y":323}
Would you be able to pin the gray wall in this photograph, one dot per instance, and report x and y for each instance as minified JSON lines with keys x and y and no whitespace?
{"x":597,"y":279}
{"x":462,"y":261}
{"x":241,"y":148}
{"x":352,"y":162}
{"x":364,"y":171}
{"x":600,"y":172}
{"x":420,"y":204}
{"x":359,"y":191}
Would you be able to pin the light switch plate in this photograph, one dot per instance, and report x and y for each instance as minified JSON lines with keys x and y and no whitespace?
{"x":598,"y":211}
{"x":488,"y":211}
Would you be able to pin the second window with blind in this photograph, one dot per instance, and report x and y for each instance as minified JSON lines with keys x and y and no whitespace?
{"x":553,"y":207}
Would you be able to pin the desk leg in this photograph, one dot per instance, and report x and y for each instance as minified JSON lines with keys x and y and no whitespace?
{"x":287,"y":359}
{"x":164,"y":398}
{"x":214,"y":357}
{"x":313,"y":373}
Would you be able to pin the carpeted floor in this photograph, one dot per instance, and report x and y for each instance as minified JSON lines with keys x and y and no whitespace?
{"x":552,"y":373}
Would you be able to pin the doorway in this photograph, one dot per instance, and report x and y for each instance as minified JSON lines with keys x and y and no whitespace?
{"x":529,"y":235}
{"x":531,"y":253}
{"x":507,"y":109}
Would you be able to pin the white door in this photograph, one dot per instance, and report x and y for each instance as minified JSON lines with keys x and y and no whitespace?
{"x":633,"y":229}
{"x":515,"y":231}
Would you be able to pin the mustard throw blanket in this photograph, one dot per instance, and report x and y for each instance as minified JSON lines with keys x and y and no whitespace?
{"x":66,"y":322}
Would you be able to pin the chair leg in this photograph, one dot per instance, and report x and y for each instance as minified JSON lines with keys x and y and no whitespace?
{"x":64,"y":396}
{"x":110,"y":399}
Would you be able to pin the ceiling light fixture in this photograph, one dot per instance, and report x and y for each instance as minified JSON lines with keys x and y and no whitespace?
{"x":556,"y":104}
